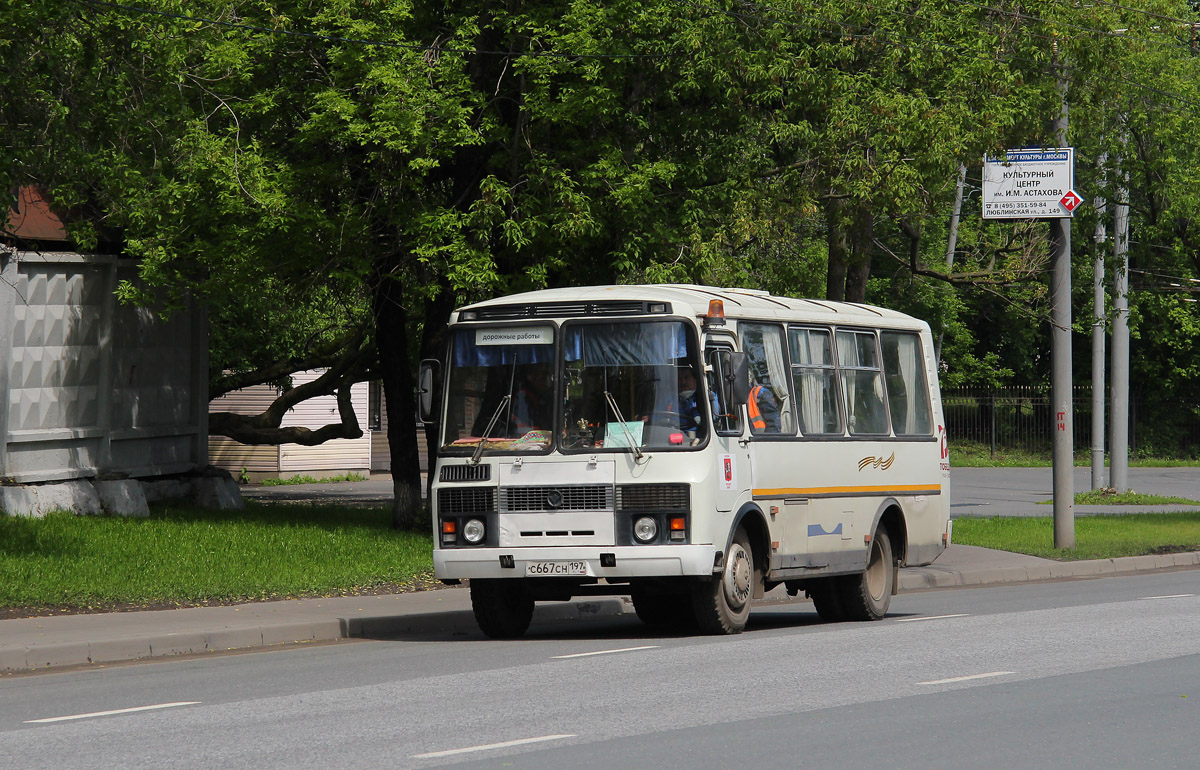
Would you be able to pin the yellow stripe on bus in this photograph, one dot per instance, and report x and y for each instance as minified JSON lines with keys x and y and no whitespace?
{"x":912,"y":489}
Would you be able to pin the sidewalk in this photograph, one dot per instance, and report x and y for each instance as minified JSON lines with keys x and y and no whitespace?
{"x":28,"y":644}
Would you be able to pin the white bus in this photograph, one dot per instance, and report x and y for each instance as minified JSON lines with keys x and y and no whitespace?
{"x":688,"y":446}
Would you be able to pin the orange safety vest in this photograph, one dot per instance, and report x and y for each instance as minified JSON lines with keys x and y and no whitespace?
{"x":756,"y":419}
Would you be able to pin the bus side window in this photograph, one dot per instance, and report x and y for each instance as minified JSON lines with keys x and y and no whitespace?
{"x":862,"y":382}
{"x":770,"y":407}
{"x":908,"y":392}
{"x":814,"y":379}
{"x":727,"y":416}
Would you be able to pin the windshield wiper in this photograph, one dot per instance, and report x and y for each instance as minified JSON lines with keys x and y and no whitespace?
{"x":612,"y":402}
{"x":488,"y":430}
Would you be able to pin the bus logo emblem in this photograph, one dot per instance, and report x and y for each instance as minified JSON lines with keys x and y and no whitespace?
{"x":877,"y":462}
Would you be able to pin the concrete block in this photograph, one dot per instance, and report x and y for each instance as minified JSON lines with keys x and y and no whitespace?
{"x":113,"y":650}
{"x":12,"y":659}
{"x":19,"y":501}
{"x":220,"y":492}
{"x":234,"y":638}
{"x":166,"y":489}
{"x":123,"y":497}
{"x":60,"y":654}
{"x":178,"y":643}
{"x":76,"y":496}
{"x":306,"y":631}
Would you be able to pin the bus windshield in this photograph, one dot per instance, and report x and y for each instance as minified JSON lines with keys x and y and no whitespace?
{"x":603,"y":386}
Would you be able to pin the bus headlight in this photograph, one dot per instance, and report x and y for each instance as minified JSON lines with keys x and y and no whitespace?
{"x":473,"y":531}
{"x":645,"y":529}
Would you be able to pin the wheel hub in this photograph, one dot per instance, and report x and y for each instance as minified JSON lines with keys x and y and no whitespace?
{"x":738,"y":575}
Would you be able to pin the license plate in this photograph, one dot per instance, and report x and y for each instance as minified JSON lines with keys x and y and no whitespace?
{"x":555,"y":568}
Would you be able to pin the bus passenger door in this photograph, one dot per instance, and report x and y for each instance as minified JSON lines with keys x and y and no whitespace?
{"x":733,"y":473}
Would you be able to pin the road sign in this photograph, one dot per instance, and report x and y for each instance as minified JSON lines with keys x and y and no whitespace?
{"x":1030,"y":184}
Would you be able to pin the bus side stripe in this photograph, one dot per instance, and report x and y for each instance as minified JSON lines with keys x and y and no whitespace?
{"x":902,"y":489}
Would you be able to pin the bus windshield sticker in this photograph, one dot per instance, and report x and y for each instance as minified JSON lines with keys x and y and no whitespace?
{"x":515,"y":335}
{"x":618,"y":434}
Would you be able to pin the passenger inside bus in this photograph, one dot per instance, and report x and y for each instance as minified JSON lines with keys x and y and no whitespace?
{"x":763,"y":410}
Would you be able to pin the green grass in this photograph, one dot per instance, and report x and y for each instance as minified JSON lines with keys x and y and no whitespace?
{"x":1096,"y":537}
{"x":185,"y":555}
{"x":971,"y":455}
{"x":310,"y":480}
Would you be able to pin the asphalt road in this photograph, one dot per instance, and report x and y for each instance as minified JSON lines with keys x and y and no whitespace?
{"x":1088,"y":674}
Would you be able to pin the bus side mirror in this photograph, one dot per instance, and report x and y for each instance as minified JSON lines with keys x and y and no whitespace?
{"x":739,"y":378}
{"x":426,"y":377}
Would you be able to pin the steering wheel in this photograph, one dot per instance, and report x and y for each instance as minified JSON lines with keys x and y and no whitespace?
{"x":663,"y":418}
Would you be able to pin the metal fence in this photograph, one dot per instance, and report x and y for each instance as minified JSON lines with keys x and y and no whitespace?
{"x":1021,"y":419}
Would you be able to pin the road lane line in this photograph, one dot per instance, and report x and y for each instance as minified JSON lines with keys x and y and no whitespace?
{"x":113,"y":712}
{"x":486,"y":746}
{"x":605,"y":652}
{"x":954,"y":679}
{"x":1169,"y":596}
{"x":932,"y":617}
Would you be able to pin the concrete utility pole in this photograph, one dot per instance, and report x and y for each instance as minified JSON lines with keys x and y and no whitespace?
{"x":1060,"y":358}
{"x":1119,"y":445}
{"x":1100,"y":239}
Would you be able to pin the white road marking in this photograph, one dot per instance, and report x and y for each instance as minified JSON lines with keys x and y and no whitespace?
{"x":113,"y":712}
{"x":1169,"y":596}
{"x":932,"y":617}
{"x":605,"y":652}
{"x":951,"y":680}
{"x":486,"y":746}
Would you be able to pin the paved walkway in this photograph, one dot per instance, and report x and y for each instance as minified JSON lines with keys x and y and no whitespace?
{"x":39,"y":643}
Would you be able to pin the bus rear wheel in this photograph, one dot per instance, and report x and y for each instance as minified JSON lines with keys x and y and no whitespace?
{"x":503,"y":608}
{"x":866,"y":596}
{"x":825,"y":594}
{"x":722,"y":604}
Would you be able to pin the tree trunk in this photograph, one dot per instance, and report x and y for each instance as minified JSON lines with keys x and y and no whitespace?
{"x":391,"y":332}
{"x":433,"y":345}
{"x":838,"y":248}
{"x":862,"y":242}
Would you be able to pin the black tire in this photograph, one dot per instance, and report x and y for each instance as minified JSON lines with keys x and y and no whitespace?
{"x":722,"y":604}
{"x":867,"y":596}
{"x":664,"y":611}
{"x":503,"y":608}
{"x":825,"y":595}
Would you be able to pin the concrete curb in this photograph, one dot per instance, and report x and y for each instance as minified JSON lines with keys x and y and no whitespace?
{"x":455,"y":616}
{"x":42,"y":656}
{"x":933,"y":576}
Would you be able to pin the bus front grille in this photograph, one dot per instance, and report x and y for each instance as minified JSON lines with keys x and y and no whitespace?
{"x":653,"y":497}
{"x":592,"y":497}
{"x":466,"y":500}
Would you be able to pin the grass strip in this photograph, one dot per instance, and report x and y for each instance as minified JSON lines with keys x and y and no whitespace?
{"x":290,"y":480}
{"x":1113,"y":497}
{"x":967,"y":454}
{"x":184,"y":555}
{"x":1096,"y":537}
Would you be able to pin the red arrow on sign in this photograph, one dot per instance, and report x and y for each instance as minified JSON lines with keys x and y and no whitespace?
{"x":1071,"y":200}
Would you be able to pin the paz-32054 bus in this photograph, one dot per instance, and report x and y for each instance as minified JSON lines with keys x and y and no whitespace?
{"x":688,"y":446}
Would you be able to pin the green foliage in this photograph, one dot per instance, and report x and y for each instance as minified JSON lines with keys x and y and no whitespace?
{"x":294,"y":163}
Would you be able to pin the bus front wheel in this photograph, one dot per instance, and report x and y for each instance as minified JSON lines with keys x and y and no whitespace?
{"x":503,"y":608}
{"x":867,"y":596}
{"x":722,"y":603}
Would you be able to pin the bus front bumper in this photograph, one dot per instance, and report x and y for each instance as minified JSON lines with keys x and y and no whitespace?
{"x":586,"y":562}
